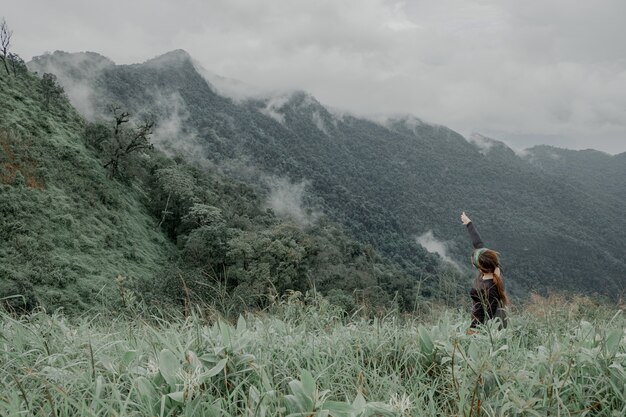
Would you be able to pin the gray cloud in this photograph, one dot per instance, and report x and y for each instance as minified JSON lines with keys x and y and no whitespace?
{"x":171,"y":133}
{"x":523,"y":72}
{"x":80,"y":90}
{"x":434,"y":245}
{"x":286,"y":199}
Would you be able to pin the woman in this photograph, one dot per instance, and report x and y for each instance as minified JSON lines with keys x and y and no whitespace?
{"x":487,"y":293}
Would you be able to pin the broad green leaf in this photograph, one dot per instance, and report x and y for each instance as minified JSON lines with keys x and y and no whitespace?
{"x":128,"y":357}
{"x":210,"y":359}
{"x":178,"y":396}
{"x":169,"y":367}
{"x":338,"y":409}
{"x":226,"y":332}
{"x":613,"y":340}
{"x":296,"y":387}
{"x":425,"y":341}
{"x":216,"y":369}
{"x":146,"y":390}
{"x":295,"y":404}
{"x":304,"y":401}
{"x":241,"y":324}
{"x":474,"y":353}
{"x":100,"y":382}
{"x":308,"y":383}
{"x":254,"y":394}
{"x":99,"y":386}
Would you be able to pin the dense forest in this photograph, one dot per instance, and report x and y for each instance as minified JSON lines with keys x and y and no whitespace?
{"x":92,"y":216}
{"x":388,"y":182}
{"x":593,"y":172}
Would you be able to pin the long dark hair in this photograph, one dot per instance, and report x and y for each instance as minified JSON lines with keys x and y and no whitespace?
{"x":489,"y":263}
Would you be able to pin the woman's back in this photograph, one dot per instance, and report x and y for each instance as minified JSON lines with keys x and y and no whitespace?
{"x":487,"y":293}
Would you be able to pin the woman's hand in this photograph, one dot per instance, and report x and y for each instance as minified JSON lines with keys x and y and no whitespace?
{"x":466,"y":220}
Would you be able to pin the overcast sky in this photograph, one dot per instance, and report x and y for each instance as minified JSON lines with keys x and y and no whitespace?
{"x":526,"y":72}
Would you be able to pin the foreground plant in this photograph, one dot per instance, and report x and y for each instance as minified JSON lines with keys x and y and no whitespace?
{"x":306,"y":361}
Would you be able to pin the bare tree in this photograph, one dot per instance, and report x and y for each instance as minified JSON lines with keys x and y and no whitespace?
{"x":127,"y":141}
{"x":5,"y":43}
{"x":120,"y":117}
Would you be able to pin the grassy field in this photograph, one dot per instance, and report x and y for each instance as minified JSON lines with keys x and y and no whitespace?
{"x":303,"y":358}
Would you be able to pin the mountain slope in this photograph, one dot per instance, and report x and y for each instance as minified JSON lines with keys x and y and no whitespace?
{"x":388,"y":182}
{"x":596,"y":172}
{"x":66,"y":230}
{"x":78,"y":235}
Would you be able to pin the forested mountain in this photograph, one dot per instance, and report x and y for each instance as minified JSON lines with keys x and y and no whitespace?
{"x":388,"y":181}
{"x":91,"y":215}
{"x":598,"y":173}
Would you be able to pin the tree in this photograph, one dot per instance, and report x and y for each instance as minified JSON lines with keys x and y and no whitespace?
{"x":174,"y":190}
{"x":5,"y":44}
{"x":50,"y":88}
{"x":126,"y":141}
{"x":17,"y":64}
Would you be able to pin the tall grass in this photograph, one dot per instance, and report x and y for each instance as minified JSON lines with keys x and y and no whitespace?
{"x":307,"y":358}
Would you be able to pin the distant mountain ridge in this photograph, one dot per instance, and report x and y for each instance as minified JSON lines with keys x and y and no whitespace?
{"x":387,"y":181}
{"x":597,"y":172}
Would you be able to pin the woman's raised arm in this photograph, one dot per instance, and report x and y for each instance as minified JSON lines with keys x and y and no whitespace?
{"x":477,"y":242}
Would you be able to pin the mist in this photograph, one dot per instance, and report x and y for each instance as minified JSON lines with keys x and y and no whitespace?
{"x":172,"y":133}
{"x":526,"y":72}
{"x":81,"y":93}
{"x":433,"y":245}
{"x":287,"y":200}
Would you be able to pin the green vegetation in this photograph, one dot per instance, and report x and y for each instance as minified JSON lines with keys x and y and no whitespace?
{"x":597,"y":173}
{"x":182,"y":291}
{"x":66,"y":230}
{"x":87,"y":206}
{"x":385,"y":182}
{"x":80,"y":209}
{"x":305,"y":357}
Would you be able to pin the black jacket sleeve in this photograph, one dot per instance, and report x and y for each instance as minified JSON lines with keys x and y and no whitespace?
{"x":476,"y":241}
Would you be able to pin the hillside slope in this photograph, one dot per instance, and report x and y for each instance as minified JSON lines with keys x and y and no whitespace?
{"x":71,"y":225}
{"x":597,"y":173}
{"x":388,"y":181}
{"x":67,"y":231}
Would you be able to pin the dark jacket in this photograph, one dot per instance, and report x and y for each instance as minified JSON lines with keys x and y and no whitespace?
{"x":485,"y":297}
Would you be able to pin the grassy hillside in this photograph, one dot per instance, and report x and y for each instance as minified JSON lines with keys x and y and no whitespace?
{"x":66,"y":229}
{"x":387,"y":182}
{"x":556,"y":358}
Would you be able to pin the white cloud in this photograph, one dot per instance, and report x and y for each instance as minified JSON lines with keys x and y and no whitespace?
{"x":81,"y":93}
{"x":483,"y":143}
{"x":286,"y":199}
{"x":319,"y":122}
{"x":433,"y":245}
{"x":172,"y":133}
{"x":273,"y":106}
{"x":524,"y":72}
